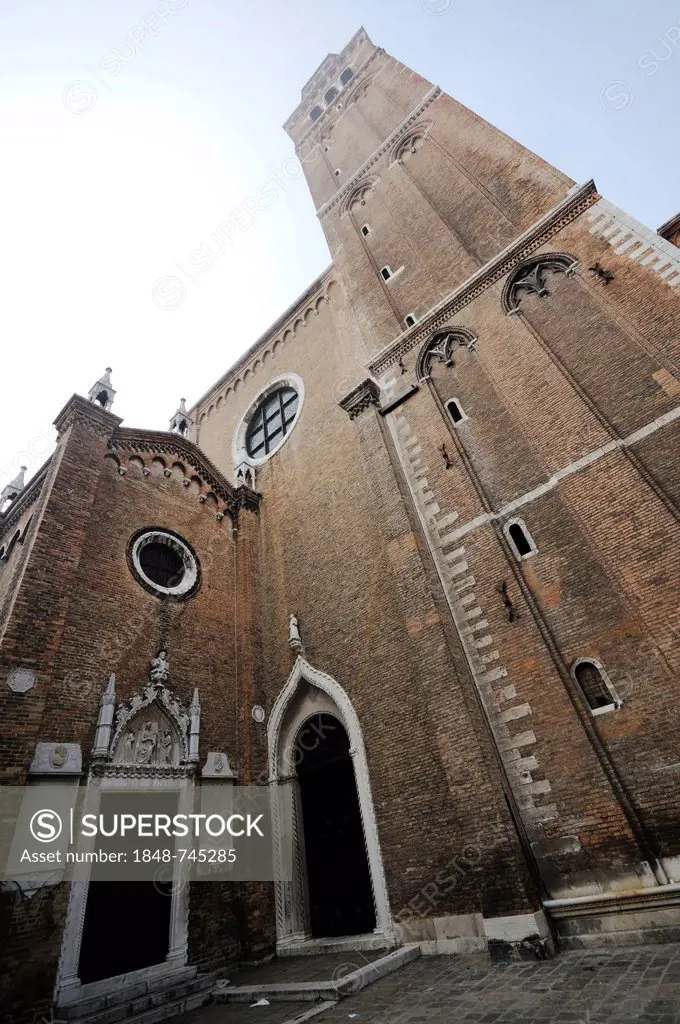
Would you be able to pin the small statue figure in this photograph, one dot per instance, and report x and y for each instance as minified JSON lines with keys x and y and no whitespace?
{"x":160,"y":667}
{"x":165,"y":753}
{"x":147,"y":743}
{"x":294,"y":638}
{"x":128,"y":746}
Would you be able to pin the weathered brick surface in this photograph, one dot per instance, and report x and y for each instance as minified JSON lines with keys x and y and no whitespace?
{"x":396,"y":563}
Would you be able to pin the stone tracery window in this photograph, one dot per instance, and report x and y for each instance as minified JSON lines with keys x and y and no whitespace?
{"x":533,"y":277}
{"x":271,"y":422}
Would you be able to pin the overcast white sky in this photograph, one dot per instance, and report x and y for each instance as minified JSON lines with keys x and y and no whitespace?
{"x":125,"y":145}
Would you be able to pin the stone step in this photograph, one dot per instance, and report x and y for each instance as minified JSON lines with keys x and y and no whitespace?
{"x":128,"y":1004}
{"x":114,"y":991}
{"x":315,"y":991}
{"x":172,"y":1008}
{"x":345,"y":944}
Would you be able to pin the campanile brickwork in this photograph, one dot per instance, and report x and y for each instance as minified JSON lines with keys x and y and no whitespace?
{"x":473,"y":520}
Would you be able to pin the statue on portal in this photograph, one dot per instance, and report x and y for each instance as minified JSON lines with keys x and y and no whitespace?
{"x":128,"y":746}
{"x":160,"y":668}
{"x":165,"y":748}
{"x":147,"y":743}
{"x":294,"y":638}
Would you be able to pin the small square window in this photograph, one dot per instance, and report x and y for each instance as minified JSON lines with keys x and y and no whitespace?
{"x":386,"y":273}
{"x":365,"y":230}
{"x":336,"y":172}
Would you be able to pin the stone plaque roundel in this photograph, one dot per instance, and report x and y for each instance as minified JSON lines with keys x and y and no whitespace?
{"x":20,"y":680}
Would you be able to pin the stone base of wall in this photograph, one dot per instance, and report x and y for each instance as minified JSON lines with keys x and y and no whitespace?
{"x":633,"y":918}
{"x":517,"y":937}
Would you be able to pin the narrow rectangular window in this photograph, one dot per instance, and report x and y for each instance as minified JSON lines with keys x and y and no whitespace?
{"x":455,"y":410}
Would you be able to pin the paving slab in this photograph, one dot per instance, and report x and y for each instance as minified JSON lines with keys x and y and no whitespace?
{"x":640,"y":985}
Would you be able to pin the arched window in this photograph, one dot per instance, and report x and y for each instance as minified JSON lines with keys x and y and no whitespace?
{"x":409,"y":319}
{"x":533,"y":276}
{"x":346,"y":76}
{"x":330,"y":95}
{"x":271,"y":422}
{"x":596,"y":685}
{"x":520,"y":539}
{"x":315,"y":113}
{"x":455,"y":411}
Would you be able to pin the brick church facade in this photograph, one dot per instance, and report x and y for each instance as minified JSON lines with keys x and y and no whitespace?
{"x":434,"y":508}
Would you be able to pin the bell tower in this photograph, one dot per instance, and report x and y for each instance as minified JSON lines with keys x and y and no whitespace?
{"x":414,"y":191}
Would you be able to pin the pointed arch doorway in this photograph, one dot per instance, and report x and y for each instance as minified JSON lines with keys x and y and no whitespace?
{"x":316,"y":751}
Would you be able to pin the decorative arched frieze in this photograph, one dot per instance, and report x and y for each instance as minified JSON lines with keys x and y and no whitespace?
{"x":410,"y":141}
{"x":530,"y":277}
{"x":358,"y":195}
{"x":360,"y":90}
{"x":441,"y":346}
{"x":309,"y":692}
{"x":174,"y":456}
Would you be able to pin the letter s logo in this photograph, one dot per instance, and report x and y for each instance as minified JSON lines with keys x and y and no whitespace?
{"x":45,"y":826}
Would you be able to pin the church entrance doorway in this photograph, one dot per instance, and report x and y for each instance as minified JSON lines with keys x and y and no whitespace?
{"x":338,"y":874}
{"x":127,"y":927}
{"x":127,"y":921}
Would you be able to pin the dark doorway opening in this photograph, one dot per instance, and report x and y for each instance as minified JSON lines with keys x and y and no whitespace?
{"x":127,"y":927}
{"x":340,"y":892}
{"x":127,"y":923}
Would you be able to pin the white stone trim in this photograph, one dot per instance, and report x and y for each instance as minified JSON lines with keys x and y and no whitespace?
{"x":190,"y":578}
{"x":516,"y":521}
{"x":238,"y":447}
{"x":325,"y":696}
{"x":461,"y":410}
{"x":499,"y":699}
{"x":517,"y":927}
{"x":639,"y":243}
{"x":68,"y":987}
{"x":616,"y":700}
{"x":574,"y":467}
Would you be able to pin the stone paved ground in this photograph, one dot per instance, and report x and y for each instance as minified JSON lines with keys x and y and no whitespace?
{"x":606,"y":987}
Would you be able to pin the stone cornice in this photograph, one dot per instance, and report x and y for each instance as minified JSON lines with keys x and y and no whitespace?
{"x":283,"y":323}
{"x":429,"y":97}
{"x":577,"y":200}
{"x":162,"y":443}
{"x":652,"y":898}
{"x":361,"y":397}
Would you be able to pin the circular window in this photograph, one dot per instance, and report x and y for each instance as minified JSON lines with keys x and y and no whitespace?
{"x":164,"y":563}
{"x":271,"y":421}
